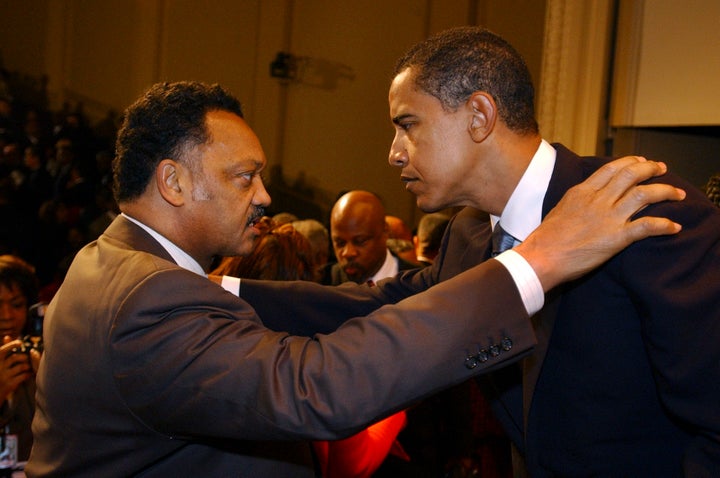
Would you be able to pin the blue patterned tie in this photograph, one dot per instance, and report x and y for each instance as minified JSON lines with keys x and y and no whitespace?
{"x":501,"y":240}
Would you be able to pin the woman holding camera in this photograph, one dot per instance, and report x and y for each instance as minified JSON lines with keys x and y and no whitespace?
{"x":19,"y":356}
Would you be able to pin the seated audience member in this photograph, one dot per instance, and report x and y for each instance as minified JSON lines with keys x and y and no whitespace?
{"x":429,"y":235}
{"x":18,"y":361}
{"x":359,"y":235}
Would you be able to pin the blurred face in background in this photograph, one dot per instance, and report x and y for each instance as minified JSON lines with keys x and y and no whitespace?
{"x":13,"y":310}
{"x":359,"y":238}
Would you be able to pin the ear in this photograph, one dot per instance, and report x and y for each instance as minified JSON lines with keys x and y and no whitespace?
{"x":167,"y":177}
{"x":484,"y":115}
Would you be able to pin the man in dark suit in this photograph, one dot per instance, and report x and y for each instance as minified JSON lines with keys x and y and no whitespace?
{"x":625,"y":379}
{"x":359,"y":235}
{"x":151,"y":369}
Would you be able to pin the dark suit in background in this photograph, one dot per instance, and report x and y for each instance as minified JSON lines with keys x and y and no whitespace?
{"x":630,"y":384}
{"x":333,"y":274}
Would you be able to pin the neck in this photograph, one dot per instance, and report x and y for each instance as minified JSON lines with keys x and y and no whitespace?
{"x":511,"y":160}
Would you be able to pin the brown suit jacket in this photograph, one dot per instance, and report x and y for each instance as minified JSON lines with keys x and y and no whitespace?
{"x":152,"y":370}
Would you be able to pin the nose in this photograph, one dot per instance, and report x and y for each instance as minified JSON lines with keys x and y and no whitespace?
{"x":261,"y":196}
{"x":348,"y":251}
{"x":398,"y":155}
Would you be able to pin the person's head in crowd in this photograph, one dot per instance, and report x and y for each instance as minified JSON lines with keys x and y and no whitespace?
{"x":34,"y":157}
{"x":64,"y":151}
{"x":281,"y":254}
{"x":400,"y":238}
{"x":471,"y":92}
{"x":358,"y":232}
{"x":283,"y":218}
{"x":398,"y":229}
{"x":429,"y":235}
{"x":184,"y":153}
{"x":317,"y":234}
{"x":18,"y":291}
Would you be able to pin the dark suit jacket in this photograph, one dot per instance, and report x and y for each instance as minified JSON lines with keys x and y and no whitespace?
{"x":626,"y":378}
{"x":630,"y":384}
{"x":152,"y":370}
{"x":333,"y":274}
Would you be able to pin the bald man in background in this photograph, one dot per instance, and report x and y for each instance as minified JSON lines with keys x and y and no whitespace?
{"x":359,"y":235}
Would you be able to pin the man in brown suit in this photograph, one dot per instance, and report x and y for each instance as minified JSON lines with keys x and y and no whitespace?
{"x":151,"y":369}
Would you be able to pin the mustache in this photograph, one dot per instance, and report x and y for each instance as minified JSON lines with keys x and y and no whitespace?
{"x":258,"y":212}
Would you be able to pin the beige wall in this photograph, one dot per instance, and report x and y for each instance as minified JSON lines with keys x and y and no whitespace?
{"x":668,"y":63}
{"x":330,"y":127}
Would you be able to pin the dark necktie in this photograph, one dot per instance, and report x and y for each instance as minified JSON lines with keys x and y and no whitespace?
{"x":501,"y":240}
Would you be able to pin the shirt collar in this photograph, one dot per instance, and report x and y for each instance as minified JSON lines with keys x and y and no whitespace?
{"x":389,"y":268}
{"x":523,"y":212}
{"x":182,"y":258}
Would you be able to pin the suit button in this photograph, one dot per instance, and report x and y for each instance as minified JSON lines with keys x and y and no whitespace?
{"x":471,"y":362}
{"x":506,"y":343}
{"x":494,"y":350}
{"x":482,"y":356}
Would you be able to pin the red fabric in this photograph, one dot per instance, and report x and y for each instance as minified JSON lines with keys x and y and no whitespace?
{"x":360,"y":455}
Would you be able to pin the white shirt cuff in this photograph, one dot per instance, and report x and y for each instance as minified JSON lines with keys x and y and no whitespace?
{"x":526,"y":280}
{"x":231,"y":284}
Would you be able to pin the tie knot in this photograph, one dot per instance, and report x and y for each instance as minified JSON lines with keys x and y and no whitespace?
{"x":501,"y":240}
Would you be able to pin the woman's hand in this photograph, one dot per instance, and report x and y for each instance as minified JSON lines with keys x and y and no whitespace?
{"x":15,"y":367}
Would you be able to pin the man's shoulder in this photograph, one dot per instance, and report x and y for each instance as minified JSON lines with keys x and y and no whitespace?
{"x":332,"y":274}
{"x":404,"y":265}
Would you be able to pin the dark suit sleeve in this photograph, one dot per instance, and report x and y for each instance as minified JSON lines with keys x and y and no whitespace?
{"x":208,"y":366}
{"x":322,"y":308}
{"x":679,"y":306}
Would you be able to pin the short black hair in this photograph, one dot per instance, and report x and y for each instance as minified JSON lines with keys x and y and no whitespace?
{"x":15,"y":272}
{"x":163,"y":123}
{"x":460,"y":61}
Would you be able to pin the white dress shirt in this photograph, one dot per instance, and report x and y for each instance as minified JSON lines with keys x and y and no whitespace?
{"x":182,"y":258}
{"x":389,"y":268}
{"x":521,"y":215}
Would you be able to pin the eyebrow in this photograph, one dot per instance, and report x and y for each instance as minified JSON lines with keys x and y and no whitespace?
{"x":399,"y":118}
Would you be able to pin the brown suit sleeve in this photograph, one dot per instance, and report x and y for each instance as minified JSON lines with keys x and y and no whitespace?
{"x":191,"y":359}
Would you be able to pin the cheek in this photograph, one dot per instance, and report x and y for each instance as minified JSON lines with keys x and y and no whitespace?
{"x":19,"y":318}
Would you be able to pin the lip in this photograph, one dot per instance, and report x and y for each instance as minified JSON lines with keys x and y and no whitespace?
{"x":409,"y":182}
{"x":350,"y":270}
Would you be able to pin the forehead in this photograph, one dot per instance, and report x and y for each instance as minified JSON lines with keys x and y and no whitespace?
{"x":232,"y":139}
{"x":406,"y":98}
{"x":10,"y":291}
{"x":360,"y":221}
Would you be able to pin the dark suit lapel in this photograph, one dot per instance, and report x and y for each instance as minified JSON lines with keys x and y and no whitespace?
{"x":569,"y":170}
{"x":543,"y":323}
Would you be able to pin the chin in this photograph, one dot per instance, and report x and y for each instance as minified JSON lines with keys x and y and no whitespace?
{"x":427,"y":206}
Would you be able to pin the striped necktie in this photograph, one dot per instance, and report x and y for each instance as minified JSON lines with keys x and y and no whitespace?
{"x":501,"y":240}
